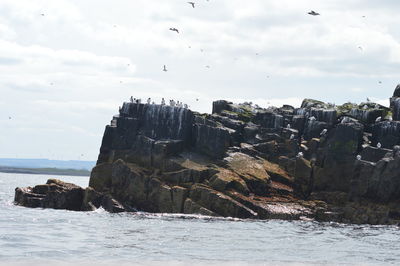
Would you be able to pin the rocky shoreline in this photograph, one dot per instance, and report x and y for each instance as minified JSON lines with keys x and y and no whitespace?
{"x":320,"y":161}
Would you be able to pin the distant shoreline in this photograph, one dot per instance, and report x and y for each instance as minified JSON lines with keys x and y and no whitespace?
{"x":44,"y":171}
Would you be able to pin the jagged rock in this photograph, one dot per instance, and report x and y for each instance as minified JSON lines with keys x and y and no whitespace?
{"x":313,"y":128}
{"x":309,"y":103}
{"x":303,"y":177}
{"x":100,"y":177}
{"x":226,"y":180}
{"x":318,"y":161}
{"x":219,"y":203}
{"x":396,"y":108}
{"x":328,"y":116}
{"x":387,"y":133}
{"x":212,"y":141}
{"x":219,"y":106}
{"x":191,"y":207}
{"x":269,"y":120}
{"x":373,"y":154}
{"x":179,"y":194}
{"x":57,"y":194}
{"x":250,"y":170}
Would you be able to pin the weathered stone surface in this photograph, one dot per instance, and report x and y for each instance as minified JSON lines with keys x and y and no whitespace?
{"x":387,"y":133}
{"x":226,"y":180}
{"x":303,"y":177}
{"x":219,"y":203}
{"x":323,"y":161}
{"x":57,"y":194}
{"x":250,"y":170}
{"x":211,"y":141}
{"x":191,"y":207}
{"x":373,"y":154}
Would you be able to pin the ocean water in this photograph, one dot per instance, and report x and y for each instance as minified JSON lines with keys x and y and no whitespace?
{"x":65,"y":237}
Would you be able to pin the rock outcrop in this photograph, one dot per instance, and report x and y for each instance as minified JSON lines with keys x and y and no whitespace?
{"x":320,"y":161}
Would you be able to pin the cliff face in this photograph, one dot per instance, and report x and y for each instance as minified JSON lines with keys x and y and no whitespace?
{"x":336,"y":163}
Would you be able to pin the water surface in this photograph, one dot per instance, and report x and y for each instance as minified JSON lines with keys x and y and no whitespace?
{"x":87,"y":237}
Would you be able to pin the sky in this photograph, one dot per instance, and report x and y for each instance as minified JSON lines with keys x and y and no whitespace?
{"x":67,"y":65}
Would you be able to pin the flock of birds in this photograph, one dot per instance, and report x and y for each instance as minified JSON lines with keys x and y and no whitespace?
{"x":311,"y":13}
{"x":172,"y":103}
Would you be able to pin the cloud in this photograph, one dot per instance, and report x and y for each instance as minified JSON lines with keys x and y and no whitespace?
{"x":70,"y":69}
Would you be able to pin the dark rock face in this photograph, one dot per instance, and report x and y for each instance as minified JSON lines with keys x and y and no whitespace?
{"x":60,"y":195}
{"x":320,"y":161}
{"x":387,"y":133}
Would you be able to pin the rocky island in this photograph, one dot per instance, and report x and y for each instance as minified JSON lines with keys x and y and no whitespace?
{"x":320,"y":161}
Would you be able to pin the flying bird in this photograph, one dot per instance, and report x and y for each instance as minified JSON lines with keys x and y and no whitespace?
{"x":192,"y":3}
{"x":361,"y":49}
{"x":197,"y":99}
{"x":313,"y":13}
{"x":174,"y":29}
{"x":9,"y":118}
{"x":380,"y":82}
{"x":42,"y":15}
{"x":165,"y":69}
{"x":207,"y":66}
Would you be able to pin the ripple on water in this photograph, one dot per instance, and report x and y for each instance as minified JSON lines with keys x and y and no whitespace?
{"x":45,"y":234}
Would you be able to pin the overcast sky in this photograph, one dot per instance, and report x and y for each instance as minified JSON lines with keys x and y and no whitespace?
{"x":66,"y":65}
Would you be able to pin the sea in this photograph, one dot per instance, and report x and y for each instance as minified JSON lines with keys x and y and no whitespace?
{"x":59,"y":237}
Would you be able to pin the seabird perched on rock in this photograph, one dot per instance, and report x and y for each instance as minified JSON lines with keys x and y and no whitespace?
{"x":313,"y":13}
{"x":300,"y":155}
{"x":162,"y":101}
{"x":174,"y":29}
{"x":165,"y":69}
{"x":148,"y":100}
{"x":288,"y":126}
{"x":379,"y":145}
{"x":131,"y":99}
{"x":185,"y":106}
{"x":358,"y":157}
{"x":323,"y":132}
{"x":192,"y":3}
{"x":312,"y":118}
{"x":291,"y":137}
{"x":379,"y":119}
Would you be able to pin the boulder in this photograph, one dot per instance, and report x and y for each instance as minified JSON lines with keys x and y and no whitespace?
{"x":57,"y":194}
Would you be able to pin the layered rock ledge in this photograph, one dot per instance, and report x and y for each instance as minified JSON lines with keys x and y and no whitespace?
{"x":320,"y":161}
